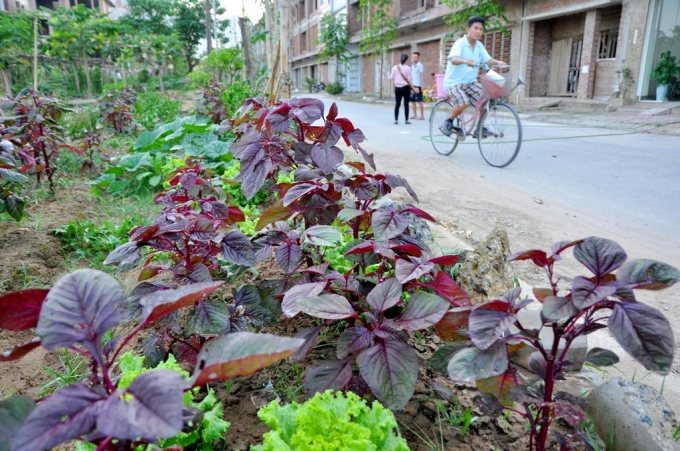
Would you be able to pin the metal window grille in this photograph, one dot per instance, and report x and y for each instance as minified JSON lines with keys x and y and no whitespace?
{"x":608,"y":41}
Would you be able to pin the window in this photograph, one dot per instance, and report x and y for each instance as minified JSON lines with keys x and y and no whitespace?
{"x":607,"y":48}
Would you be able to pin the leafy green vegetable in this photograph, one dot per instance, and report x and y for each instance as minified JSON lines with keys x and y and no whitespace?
{"x":213,"y":426}
{"x":329,"y":422}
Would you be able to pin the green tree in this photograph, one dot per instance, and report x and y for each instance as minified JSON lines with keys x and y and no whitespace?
{"x":379,"y":31}
{"x":333,"y":39}
{"x":461,"y":10}
{"x":223,"y":62}
{"x":80,"y":33}
{"x":151,"y":16}
{"x":16,"y":35}
{"x":190,"y":28}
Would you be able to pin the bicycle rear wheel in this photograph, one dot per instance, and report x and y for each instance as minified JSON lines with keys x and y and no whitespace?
{"x":444,"y":145}
{"x":499,"y":134}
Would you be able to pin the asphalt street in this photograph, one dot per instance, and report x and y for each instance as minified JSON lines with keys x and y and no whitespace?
{"x":619,"y":178}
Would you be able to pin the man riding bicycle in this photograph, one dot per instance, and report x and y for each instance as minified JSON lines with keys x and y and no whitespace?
{"x":460,"y":81}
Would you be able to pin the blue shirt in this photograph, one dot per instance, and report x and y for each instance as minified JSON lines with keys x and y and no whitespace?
{"x":462,"y":73}
{"x":417,"y":73}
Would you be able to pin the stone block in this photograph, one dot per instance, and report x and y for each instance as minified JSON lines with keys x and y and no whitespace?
{"x":531,"y":319}
{"x":639,"y":418}
{"x":484,"y":274}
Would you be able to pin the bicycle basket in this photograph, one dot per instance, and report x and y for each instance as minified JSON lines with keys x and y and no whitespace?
{"x":494,"y":89}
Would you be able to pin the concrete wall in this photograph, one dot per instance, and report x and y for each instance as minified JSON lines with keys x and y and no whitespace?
{"x":605,"y":79}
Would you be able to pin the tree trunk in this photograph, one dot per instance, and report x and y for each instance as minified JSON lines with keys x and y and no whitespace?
{"x":75,"y":71}
{"x":208,"y":27}
{"x":88,"y":76}
{"x":122,"y":71}
{"x":160,"y":78}
{"x":270,"y":25}
{"x":245,"y":42}
{"x":7,"y":81}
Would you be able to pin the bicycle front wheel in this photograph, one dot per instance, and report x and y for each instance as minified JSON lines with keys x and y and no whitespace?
{"x":499,"y":135}
{"x":444,"y":145}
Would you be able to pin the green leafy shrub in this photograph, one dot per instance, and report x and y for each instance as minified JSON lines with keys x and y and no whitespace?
{"x":94,"y":241}
{"x":200,"y":78}
{"x":309,"y":82}
{"x":153,"y":108}
{"x":335,"y":88}
{"x":79,"y":123}
{"x":235,"y":94}
{"x":144,"y":76}
{"x":330,"y":422}
{"x":115,"y":86}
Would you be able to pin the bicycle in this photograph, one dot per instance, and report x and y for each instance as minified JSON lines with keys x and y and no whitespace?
{"x":498,"y":131}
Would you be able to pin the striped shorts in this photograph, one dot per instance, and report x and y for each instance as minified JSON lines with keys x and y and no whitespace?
{"x":465,"y":93}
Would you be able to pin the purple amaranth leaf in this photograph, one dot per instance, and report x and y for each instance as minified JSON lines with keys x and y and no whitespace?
{"x":253,"y":181}
{"x":156,"y":397}
{"x":601,"y":357}
{"x":289,"y":303}
{"x":20,"y":310}
{"x":385,"y":295}
{"x":310,"y":335}
{"x":647,"y":274}
{"x":160,"y":303}
{"x":297,"y":191}
{"x":585,"y":293}
{"x":279,"y":119}
{"x":19,"y":351}
{"x":599,"y":255}
{"x":390,"y":368}
{"x":396,"y":181}
{"x":307,"y":110}
{"x":237,"y":248}
{"x":472,"y":363}
{"x":209,"y":318}
{"x":353,"y":340}
{"x":423,"y":310}
{"x":645,"y":334}
{"x":499,"y":386}
{"x":388,"y":223}
{"x":240,"y":354}
{"x":489,"y":322}
{"x":538,"y":365}
{"x":289,"y":256}
{"x":327,"y":375}
{"x":327,"y":306}
{"x":327,"y":158}
{"x":557,"y":308}
{"x":156,"y":400}
{"x":406,"y":270}
{"x":80,"y":309}
{"x":69,"y":413}
{"x":124,"y":252}
{"x":322,"y":235}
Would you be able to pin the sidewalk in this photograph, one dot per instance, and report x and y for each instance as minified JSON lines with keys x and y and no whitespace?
{"x":648,"y":117}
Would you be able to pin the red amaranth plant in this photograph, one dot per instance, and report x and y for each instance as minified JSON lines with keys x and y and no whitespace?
{"x":35,"y":133}
{"x":606,"y":299}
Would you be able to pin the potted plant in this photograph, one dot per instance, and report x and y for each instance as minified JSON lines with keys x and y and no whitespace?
{"x":665,"y":73}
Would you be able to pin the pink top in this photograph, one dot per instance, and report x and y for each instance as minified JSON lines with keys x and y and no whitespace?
{"x":399,"y":81}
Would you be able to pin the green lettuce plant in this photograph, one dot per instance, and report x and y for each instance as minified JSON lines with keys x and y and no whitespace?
{"x":330,"y":421}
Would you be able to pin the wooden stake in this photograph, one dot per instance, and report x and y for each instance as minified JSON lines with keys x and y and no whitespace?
{"x":35,"y":53}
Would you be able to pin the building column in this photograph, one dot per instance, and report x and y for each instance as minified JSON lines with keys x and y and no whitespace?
{"x":591,"y":42}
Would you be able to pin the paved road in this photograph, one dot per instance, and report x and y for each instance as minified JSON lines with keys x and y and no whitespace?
{"x":620,"y":178}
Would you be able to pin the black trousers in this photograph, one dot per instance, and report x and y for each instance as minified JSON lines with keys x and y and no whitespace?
{"x":405,"y":93}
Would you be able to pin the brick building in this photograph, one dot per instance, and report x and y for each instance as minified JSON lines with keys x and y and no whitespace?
{"x":114,"y":8}
{"x":585,"y":49}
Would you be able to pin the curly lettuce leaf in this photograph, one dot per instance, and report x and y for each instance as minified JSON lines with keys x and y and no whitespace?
{"x":330,"y":422}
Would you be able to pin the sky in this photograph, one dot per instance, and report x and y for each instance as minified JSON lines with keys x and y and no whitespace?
{"x":234,"y":8}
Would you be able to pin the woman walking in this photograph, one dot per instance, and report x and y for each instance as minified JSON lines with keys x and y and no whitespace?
{"x":401,"y":76}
